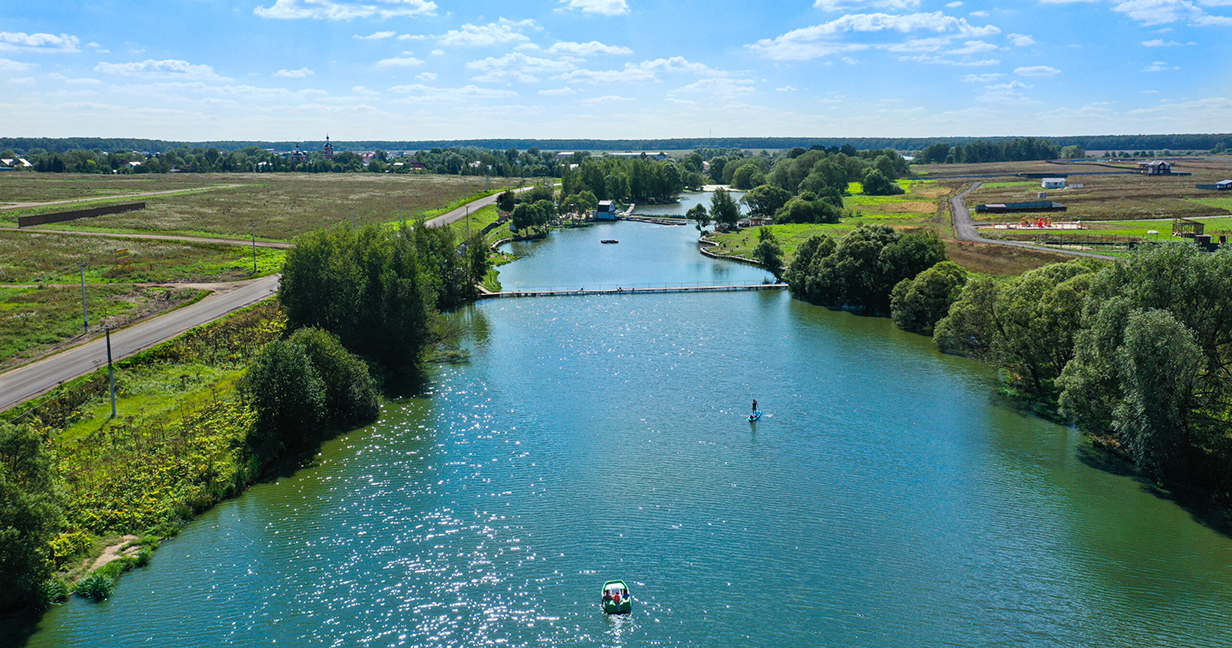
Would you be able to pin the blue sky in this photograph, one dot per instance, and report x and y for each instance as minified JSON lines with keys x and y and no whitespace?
{"x":439,"y":69}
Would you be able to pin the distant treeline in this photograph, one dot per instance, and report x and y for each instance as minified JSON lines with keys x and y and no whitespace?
{"x":1182,"y":142}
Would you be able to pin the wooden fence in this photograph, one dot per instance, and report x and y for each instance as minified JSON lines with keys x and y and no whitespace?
{"x":59,"y":217}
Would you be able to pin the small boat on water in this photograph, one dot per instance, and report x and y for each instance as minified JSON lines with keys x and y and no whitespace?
{"x":609,"y":241}
{"x":616,"y":599}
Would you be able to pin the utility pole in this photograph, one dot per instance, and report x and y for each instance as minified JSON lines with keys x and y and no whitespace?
{"x":111,"y":374}
{"x":85,"y":313}
{"x":254,"y":248}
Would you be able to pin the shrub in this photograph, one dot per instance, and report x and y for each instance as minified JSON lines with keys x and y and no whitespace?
{"x":287,"y":393}
{"x":96,"y":587}
{"x":350,"y":391}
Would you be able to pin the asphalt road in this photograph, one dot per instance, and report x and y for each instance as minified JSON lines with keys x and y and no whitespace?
{"x":964,"y":227}
{"x":29,"y":381}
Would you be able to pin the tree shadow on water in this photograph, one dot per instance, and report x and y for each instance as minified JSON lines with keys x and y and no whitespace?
{"x":16,"y":628}
{"x":303,"y":454}
{"x":1202,"y":505}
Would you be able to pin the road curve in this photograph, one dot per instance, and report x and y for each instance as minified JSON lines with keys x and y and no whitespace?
{"x":26,"y":382}
{"x":965,"y":229}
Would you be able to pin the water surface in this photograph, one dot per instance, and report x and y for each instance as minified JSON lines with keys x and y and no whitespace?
{"x":886,"y":498}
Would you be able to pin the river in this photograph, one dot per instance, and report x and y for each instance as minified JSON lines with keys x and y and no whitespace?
{"x":887,"y":497}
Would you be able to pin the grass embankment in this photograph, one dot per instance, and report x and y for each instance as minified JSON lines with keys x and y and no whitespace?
{"x":176,"y":447}
{"x":282,"y":206}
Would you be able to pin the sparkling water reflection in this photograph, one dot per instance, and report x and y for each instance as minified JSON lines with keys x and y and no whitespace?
{"x":886,"y":498}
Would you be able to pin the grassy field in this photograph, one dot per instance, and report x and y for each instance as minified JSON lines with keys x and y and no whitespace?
{"x":1102,"y":197}
{"x":34,"y":321}
{"x":46,"y":187}
{"x":279,"y":206}
{"x":31,"y":257}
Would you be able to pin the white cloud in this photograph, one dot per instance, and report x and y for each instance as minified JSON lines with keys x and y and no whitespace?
{"x":979,"y":14}
{"x":426,"y":76}
{"x":294,"y":74}
{"x":982,"y":78}
{"x":23,"y":42}
{"x":1163,"y":12}
{"x":606,"y":99}
{"x":367,"y":92}
{"x":497,"y":33}
{"x":12,"y":66}
{"x":75,"y":80}
{"x":419,"y":92}
{"x":786,"y":88}
{"x":843,"y":5}
{"x":559,"y":92}
{"x":437,"y":52}
{"x":601,"y":7}
{"x":827,"y":38}
{"x":954,"y":5}
{"x":973,"y":47}
{"x":1159,"y":42}
{"x":593,"y":48}
{"x":516,"y":66}
{"x":98,"y":48}
{"x":21,"y":81}
{"x":1159,"y":66}
{"x":1021,"y":40}
{"x":381,"y":35}
{"x":644,"y":71}
{"x":721,"y":87}
{"x":165,"y":69}
{"x":1037,"y":71}
{"x":399,"y":61}
{"x":345,"y":9}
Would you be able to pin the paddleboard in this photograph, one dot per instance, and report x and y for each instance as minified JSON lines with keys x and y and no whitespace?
{"x":754,"y":416}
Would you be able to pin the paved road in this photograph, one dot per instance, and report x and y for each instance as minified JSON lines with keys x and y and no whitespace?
{"x":27,"y":205}
{"x":24,"y":383}
{"x":964,"y":227}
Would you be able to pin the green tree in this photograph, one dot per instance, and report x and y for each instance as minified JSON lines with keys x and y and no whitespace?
{"x":801,"y":210}
{"x":877,"y":184}
{"x":1038,"y":316}
{"x":1073,"y":152}
{"x":723,"y":208}
{"x":1158,"y":365}
{"x":918,"y":304}
{"x":30,"y":515}
{"x":375,"y":289}
{"x":748,"y":176}
{"x":765,"y":200}
{"x":506,"y":200}
{"x":970,"y":327}
{"x":288,"y":395}
{"x":768,"y":253}
{"x":350,"y":391}
{"x":697,"y":214}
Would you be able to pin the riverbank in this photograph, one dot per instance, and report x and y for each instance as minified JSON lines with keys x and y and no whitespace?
{"x":175,"y":448}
